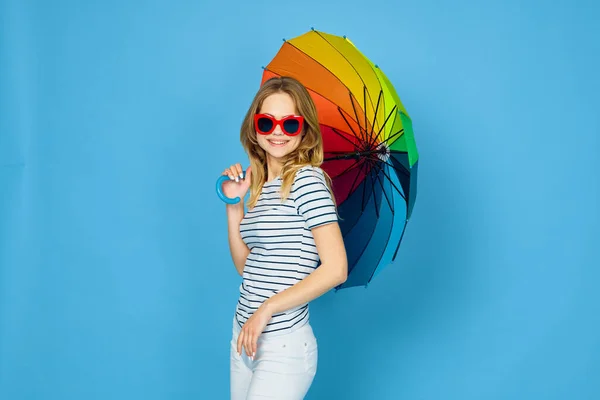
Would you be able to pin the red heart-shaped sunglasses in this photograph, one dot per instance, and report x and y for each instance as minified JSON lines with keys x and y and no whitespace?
{"x":265,"y":124}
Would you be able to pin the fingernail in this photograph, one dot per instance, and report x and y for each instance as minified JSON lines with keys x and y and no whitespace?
{"x":241,"y":176}
{"x":231,"y":177}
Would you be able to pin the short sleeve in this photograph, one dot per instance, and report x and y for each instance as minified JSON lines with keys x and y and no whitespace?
{"x":313,"y":198}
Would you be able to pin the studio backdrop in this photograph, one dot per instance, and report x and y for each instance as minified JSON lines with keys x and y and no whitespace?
{"x":116,"y":119}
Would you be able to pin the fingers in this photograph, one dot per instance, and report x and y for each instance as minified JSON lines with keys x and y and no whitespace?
{"x":243,"y":341}
{"x":247,"y":346}
{"x":240,"y":341}
{"x":228,"y":173}
{"x":247,"y":341}
{"x":239,"y":171}
{"x":254,"y":345}
{"x":235,"y":172}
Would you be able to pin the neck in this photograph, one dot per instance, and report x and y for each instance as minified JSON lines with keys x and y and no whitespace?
{"x":273,"y":168}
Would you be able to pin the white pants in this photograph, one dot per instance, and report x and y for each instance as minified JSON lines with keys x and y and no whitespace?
{"x":284,"y":366}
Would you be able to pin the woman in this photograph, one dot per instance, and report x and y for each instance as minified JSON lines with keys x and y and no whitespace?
{"x":291,"y":225}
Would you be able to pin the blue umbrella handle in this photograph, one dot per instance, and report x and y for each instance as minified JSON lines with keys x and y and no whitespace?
{"x":222,"y":179}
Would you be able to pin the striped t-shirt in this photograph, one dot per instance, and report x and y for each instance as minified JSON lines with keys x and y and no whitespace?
{"x":282,"y":247}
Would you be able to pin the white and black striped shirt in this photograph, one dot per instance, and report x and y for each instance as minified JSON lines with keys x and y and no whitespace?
{"x":282,"y":247}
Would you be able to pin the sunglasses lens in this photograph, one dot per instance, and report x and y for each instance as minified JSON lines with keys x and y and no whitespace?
{"x":291,"y":126}
{"x":264,"y":124}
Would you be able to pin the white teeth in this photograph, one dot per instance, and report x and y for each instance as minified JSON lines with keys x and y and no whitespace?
{"x":275,"y":142}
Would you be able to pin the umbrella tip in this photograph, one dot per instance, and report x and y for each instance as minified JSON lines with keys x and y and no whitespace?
{"x":263,"y":67}
{"x":284,"y":40}
{"x":344,"y":36}
{"x":312,"y":29}
{"x":376,"y":66}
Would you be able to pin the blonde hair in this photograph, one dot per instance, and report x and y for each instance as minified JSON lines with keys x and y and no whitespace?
{"x":308,"y":153}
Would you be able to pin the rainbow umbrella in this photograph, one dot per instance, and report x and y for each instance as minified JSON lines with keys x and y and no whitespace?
{"x":370,"y":150}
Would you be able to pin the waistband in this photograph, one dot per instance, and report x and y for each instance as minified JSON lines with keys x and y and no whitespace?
{"x":300,"y":329}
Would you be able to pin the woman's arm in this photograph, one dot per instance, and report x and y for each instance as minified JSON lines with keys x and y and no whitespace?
{"x":237,"y":186}
{"x":237,"y":247}
{"x":332,"y":272}
{"x":314,"y":202}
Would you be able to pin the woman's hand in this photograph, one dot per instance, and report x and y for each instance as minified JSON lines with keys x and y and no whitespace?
{"x":236,"y":186}
{"x":252,"y":329}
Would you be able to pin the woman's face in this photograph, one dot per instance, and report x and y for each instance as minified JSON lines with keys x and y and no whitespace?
{"x":277,"y":144}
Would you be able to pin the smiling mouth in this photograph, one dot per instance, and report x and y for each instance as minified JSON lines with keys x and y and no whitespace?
{"x":277,"y":142}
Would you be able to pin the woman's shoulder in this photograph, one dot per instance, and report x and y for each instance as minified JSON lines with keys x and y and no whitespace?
{"x":309,"y":172}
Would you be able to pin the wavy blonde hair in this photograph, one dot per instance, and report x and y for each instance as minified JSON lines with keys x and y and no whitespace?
{"x":308,"y":153}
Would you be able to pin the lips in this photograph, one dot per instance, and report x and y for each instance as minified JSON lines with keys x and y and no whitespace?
{"x":277,"y":143}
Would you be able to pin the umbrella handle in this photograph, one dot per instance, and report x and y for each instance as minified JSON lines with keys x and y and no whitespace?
{"x":222,"y":179}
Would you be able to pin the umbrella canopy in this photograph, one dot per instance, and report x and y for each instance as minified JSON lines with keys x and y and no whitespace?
{"x":369,"y":144}
{"x":370,"y":149}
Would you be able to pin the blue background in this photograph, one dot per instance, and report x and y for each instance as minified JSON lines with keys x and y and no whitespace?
{"x":117,"y":117}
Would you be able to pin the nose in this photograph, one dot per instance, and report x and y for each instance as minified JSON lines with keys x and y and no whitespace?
{"x":278,"y":131}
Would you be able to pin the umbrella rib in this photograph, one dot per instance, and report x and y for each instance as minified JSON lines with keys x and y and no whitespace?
{"x":348,"y":169}
{"x":357,"y":119}
{"x":385,"y":123}
{"x":345,"y":155}
{"x":401,"y":170}
{"x":341,"y":152}
{"x":383,"y":126}
{"x":392,"y":136}
{"x":395,"y":114}
{"x":374,"y":194}
{"x":356,"y":163}
{"x":347,"y":123}
{"x":373,"y":188}
{"x":383,"y":188}
{"x":395,"y":117}
{"x":375,"y":119}
{"x":390,"y":179}
{"x":362,"y":206}
{"x":365,"y":110}
{"x":342,"y":136}
{"x":352,"y":188}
